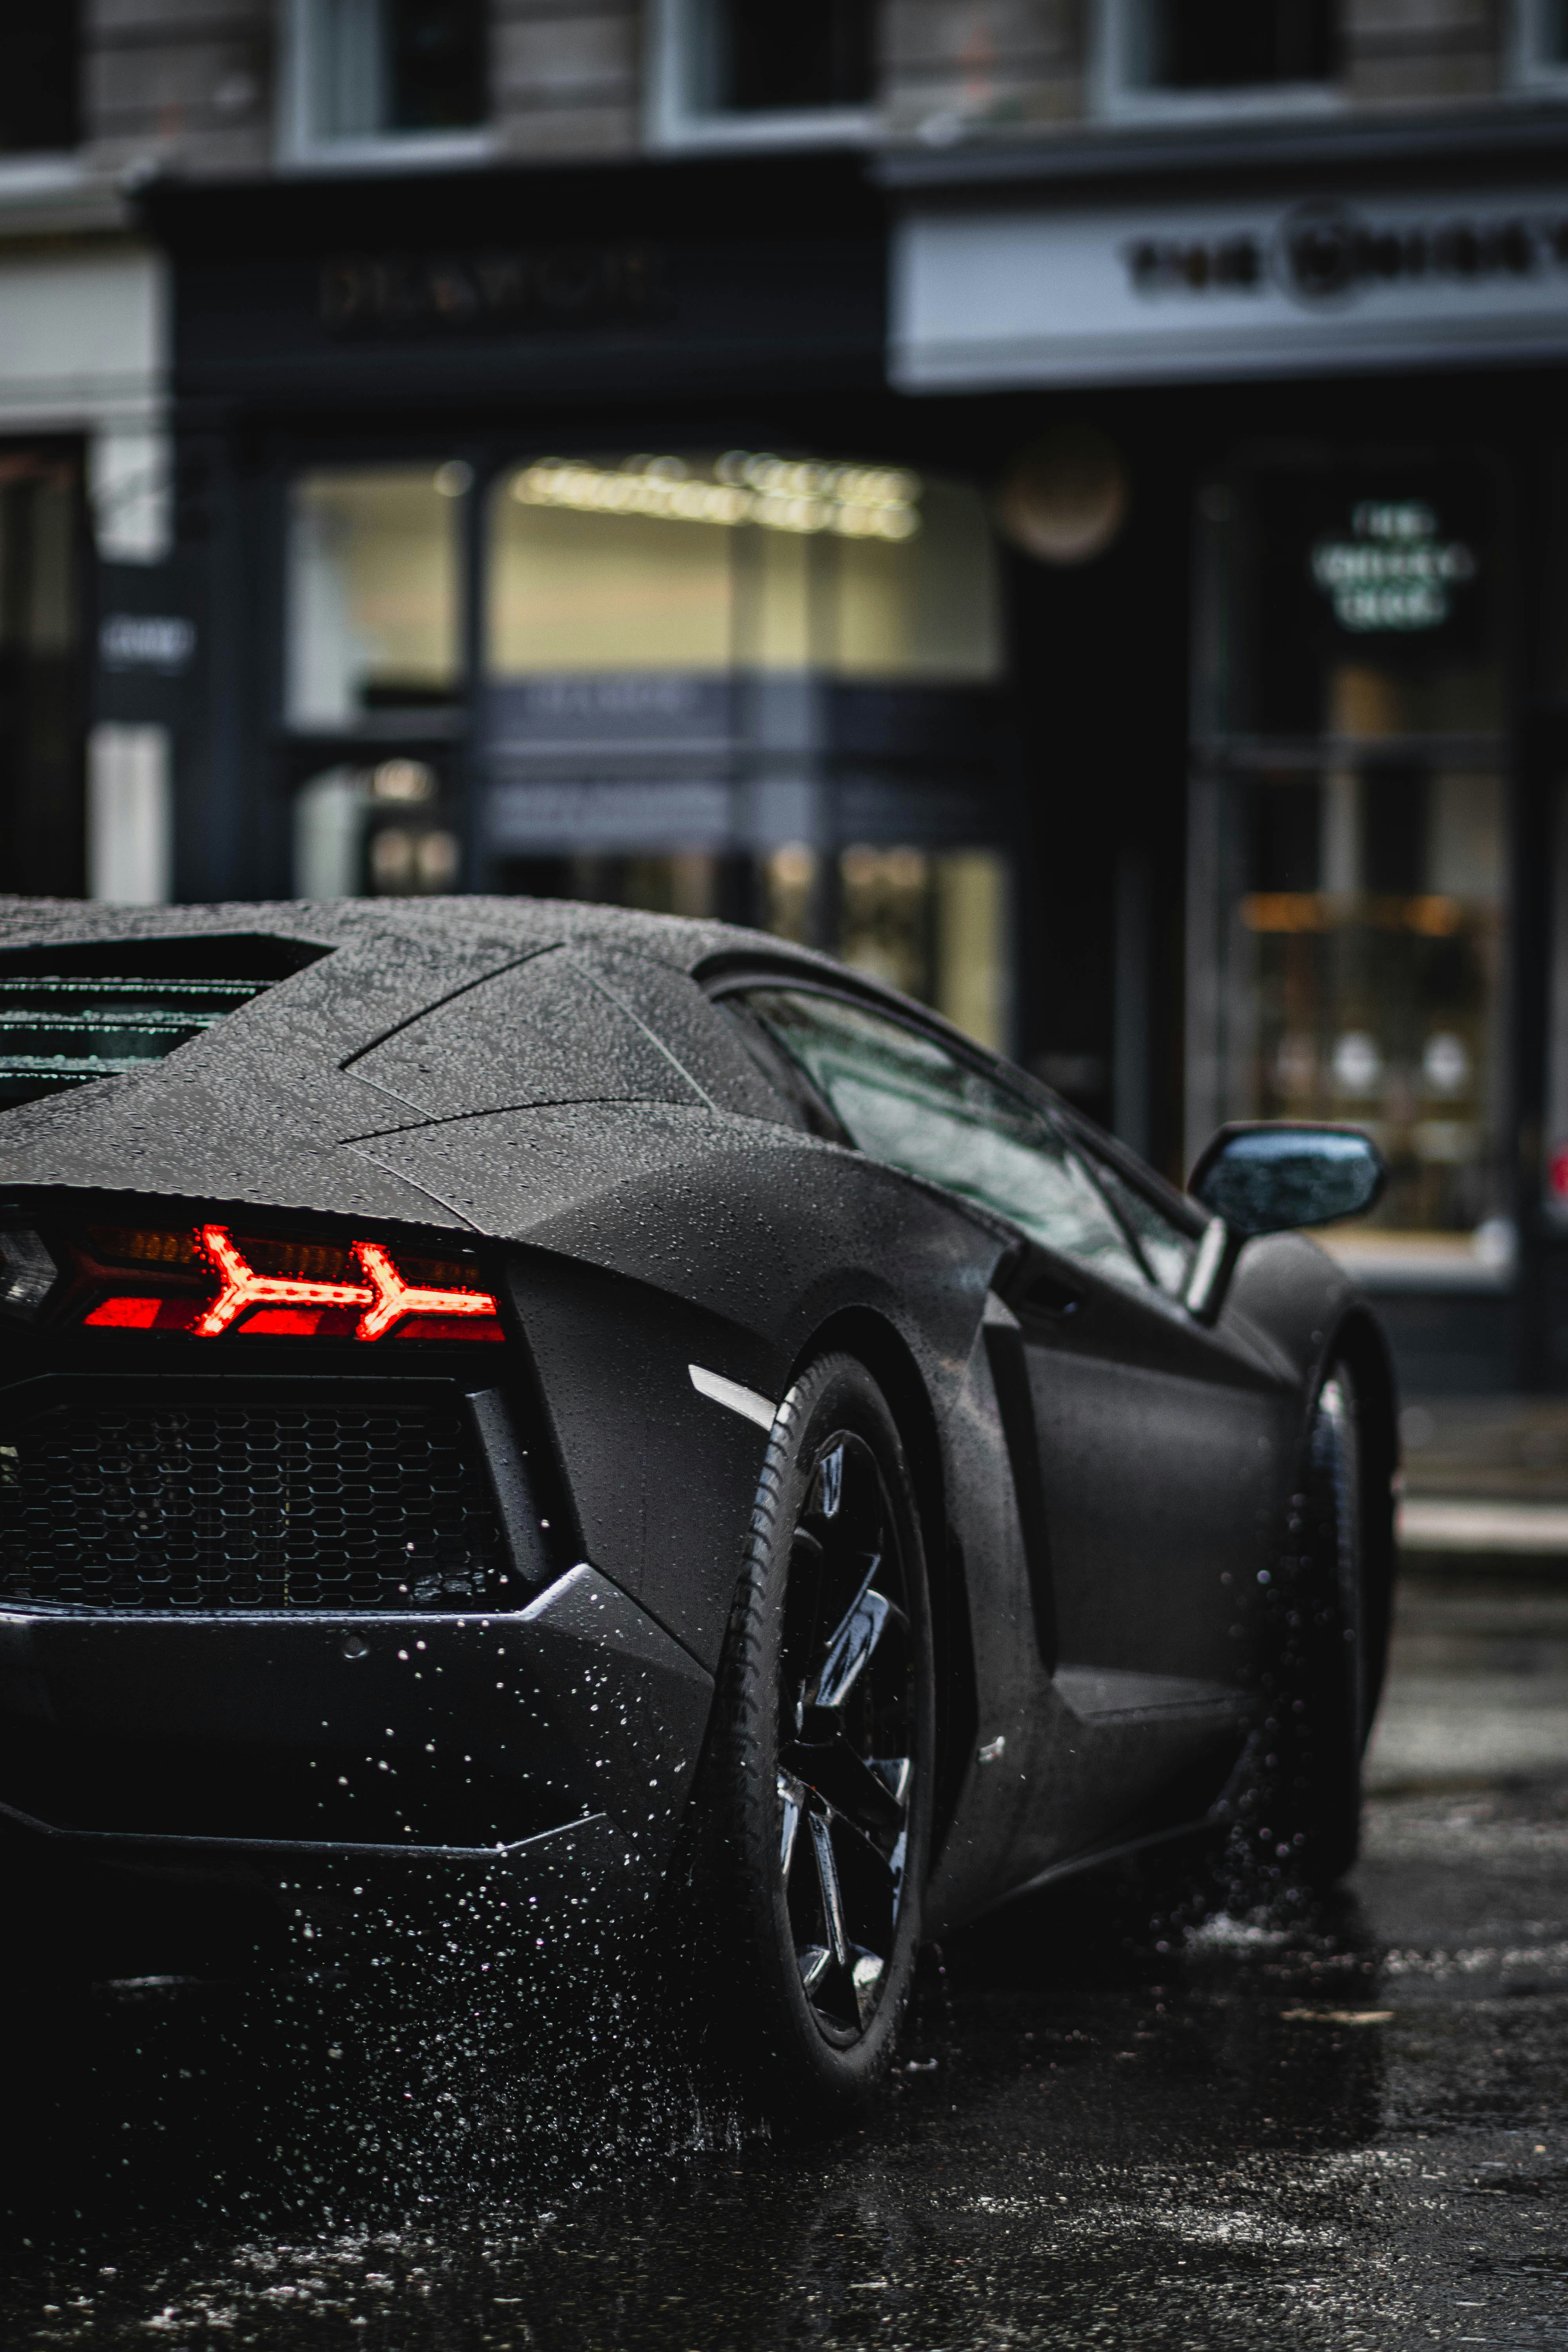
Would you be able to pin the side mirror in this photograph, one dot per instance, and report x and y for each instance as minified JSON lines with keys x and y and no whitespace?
{"x":1269,"y":1179}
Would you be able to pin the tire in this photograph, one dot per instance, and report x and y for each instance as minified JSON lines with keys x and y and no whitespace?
{"x":816,"y":1798}
{"x":1318,"y":1717}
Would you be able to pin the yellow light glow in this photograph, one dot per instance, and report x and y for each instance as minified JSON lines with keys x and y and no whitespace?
{"x":778,"y":494}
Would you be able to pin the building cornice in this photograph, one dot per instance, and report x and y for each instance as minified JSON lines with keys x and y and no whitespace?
{"x":1508,"y":140}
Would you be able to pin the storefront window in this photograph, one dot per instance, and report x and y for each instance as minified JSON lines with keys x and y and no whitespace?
{"x":707,"y":630}
{"x":743,"y":561}
{"x":380,"y":832}
{"x":935,"y":923}
{"x":1355,"y":803}
{"x":372,"y":592}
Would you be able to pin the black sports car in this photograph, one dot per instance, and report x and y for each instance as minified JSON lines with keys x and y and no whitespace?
{"x":711,"y":1420}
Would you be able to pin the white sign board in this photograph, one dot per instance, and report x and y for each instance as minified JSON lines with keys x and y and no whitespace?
{"x":1163,"y":293}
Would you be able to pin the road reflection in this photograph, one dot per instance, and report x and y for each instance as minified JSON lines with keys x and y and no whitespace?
{"x":1133,"y":2112}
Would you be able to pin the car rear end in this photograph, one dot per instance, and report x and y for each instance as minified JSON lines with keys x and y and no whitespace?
{"x":291,"y":1599}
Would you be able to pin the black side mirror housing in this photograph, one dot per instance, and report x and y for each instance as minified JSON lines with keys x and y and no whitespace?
{"x":1268,"y":1177}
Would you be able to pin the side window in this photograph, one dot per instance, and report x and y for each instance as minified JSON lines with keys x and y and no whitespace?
{"x":905,"y":1099}
{"x":1167,"y":1249}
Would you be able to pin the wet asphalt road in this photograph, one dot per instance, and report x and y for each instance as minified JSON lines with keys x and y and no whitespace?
{"x":1132,"y":2115}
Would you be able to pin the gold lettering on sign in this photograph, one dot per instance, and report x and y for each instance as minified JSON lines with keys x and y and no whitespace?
{"x":543,"y":286}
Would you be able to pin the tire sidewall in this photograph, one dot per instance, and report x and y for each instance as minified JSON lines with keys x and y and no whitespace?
{"x":1320,"y":1684}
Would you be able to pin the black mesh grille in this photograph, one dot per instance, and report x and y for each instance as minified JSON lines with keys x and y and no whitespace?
{"x":246,"y":1506}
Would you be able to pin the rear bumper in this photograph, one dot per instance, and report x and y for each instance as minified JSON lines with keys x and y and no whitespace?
{"x":555,"y":1747}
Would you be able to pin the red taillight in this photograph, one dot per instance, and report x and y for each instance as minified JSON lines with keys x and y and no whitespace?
{"x":244,"y":1288}
{"x":279,"y":1299}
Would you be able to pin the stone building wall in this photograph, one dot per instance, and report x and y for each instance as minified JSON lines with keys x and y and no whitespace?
{"x":196,"y":84}
{"x":187,"y":79}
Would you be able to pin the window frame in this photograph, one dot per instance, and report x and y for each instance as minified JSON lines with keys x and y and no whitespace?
{"x":299,"y":147}
{"x":727,"y":978}
{"x":1115,"y":97}
{"x":672,"y":123}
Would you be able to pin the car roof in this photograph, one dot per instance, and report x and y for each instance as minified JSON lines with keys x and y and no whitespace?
{"x":467,"y":926}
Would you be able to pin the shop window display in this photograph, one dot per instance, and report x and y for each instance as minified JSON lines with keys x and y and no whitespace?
{"x":372,"y":592}
{"x":739,"y":561}
{"x":706,"y":603}
{"x":1353,"y":701}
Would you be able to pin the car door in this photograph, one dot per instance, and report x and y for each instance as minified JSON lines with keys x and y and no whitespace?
{"x":1141,"y":1442}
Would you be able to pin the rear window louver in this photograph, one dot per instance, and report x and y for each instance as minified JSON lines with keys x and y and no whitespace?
{"x":63,"y":1027}
{"x":66,"y":1032}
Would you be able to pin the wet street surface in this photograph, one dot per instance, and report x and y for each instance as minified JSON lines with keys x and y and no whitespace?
{"x":1143,"y":2112}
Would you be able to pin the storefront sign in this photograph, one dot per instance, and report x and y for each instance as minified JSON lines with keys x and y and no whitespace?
{"x":162,"y":644}
{"x":545,"y":286}
{"x":1395,"y":572}
{"x":1227,"y":289}
{"x":150,"y":651}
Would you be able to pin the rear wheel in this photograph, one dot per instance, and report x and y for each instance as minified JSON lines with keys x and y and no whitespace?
{"x":819,"y":1773}
{"x":1319,"y":1713}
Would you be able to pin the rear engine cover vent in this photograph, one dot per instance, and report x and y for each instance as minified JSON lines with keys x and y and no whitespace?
{"x":247,"y":1505}
{"x":70,"y":1015}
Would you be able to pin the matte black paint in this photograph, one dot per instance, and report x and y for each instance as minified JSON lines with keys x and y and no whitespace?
{"x":551,"y":1085}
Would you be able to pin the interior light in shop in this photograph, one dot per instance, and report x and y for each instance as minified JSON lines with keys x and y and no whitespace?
{"x":802,"y":495}
{"x":1065,"y":496}
{"x":1357,"y":1065}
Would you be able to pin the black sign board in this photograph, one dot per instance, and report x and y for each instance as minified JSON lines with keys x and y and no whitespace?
{"x":147,"y":643}
{"x":474,"y":290}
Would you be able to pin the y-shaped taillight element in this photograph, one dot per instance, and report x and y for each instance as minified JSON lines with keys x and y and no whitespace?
{"x":387,"y":1299}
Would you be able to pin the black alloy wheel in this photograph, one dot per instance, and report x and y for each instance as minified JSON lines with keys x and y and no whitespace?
{"x":821,"y":1768}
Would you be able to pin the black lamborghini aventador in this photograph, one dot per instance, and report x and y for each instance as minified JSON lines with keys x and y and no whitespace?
{"x":610,"y":1403}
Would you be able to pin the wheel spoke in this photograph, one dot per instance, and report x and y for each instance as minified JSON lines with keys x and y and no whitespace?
{"x":851,"y":1786}
{"x":792,"y":1796}
{"x":816,"y":1959}
{"x":831,"y":1897}
{"x":870,"y":1883}
{"x":857,"y":1634}
{"x":827,"y":1489}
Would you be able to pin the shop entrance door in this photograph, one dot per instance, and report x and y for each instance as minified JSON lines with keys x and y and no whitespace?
{"x":1347,"y":908}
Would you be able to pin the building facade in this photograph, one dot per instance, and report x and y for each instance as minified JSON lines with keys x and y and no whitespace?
{"x":1059,"y":500}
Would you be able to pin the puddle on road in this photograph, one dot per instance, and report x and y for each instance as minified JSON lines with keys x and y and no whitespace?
{"x":1110,"y":2128}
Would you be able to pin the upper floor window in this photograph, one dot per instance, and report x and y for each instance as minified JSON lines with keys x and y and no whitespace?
{"x":730,"y":70}
{"x":374,"y":70}
{"x":38,"y":80}
{"x":1174,"y":55}
{"x":1540,"y":41}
